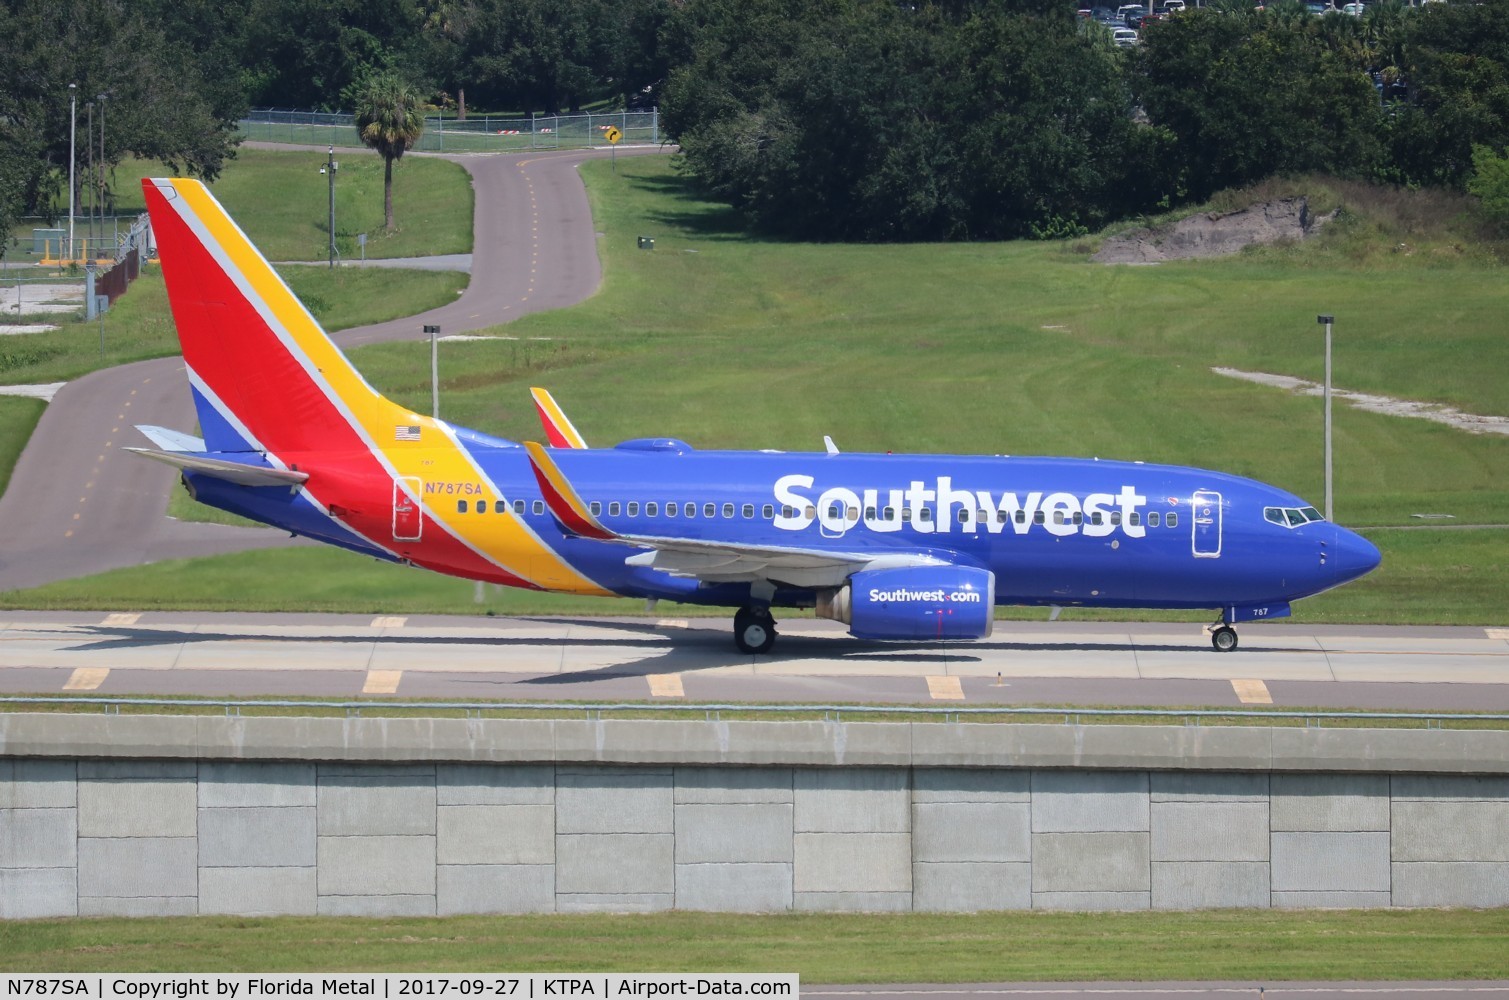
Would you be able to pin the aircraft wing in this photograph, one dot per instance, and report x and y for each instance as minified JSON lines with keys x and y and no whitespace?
{"x":712,"y":561}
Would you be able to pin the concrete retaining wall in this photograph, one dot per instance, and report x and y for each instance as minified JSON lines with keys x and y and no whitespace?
{"x":134,"y":825}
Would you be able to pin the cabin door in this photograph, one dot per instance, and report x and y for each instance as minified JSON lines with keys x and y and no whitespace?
{"x":408,"y":521}
{"x":1207,"y":527}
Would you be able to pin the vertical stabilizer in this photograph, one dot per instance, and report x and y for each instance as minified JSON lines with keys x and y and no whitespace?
{"x":264,"y":374}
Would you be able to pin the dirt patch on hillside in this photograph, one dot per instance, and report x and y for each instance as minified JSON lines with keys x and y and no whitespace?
{"x":1215,"y":234}
{"x":1470,"y":422}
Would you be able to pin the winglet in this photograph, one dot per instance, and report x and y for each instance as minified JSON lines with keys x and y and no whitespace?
{"x":559,"y":430}
{"x":574,"y":515}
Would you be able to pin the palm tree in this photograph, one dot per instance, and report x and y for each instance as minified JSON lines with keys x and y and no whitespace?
{"x":390,"y":121}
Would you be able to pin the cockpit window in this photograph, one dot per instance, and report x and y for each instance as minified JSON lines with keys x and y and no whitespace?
{"x":1292,"y":517}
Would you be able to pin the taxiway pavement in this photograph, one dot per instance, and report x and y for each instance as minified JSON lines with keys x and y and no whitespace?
{"x":1413,"y":669}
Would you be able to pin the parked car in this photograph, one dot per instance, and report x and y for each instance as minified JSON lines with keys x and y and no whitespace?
{"x":1124,"y":37}
{"x":1355,"y":9}
{"x":1129,"y":10}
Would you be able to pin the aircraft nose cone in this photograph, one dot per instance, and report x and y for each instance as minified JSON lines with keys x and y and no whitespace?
{"x":1355,"y":555}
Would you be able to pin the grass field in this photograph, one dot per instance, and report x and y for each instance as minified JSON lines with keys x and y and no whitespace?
{"x":1021,"y":348}
{"x":1262,"y":947}
{"x":282,"y":201}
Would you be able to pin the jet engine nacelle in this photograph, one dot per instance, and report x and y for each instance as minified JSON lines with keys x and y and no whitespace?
{"x":914,"y":602}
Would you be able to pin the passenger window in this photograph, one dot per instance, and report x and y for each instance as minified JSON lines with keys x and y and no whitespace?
{"x":1079,"y":518}
{"x":834,"y":512}
{"x":728,"y":510}
{"x":596,"y":507}
{"x":670,"y":510}
{"x":1152,"y":519}
{"x":461,"y":506}
{"x":768,"y":511}
{"x":614,"y":508}
{"x":539,"y":506}
{"x":1021,"y":517}
{"x":1134,"y":518}
{"x":925,"y":514}
{"x":788,"y":511}
{"x":906,"y":515}
{"x":1001,"y":516}
{"x":748,"y":511}
{"x":811,"y":511}
{"x":869,"y":513}
{"x":1058,"y":517}
{"x":962,"y":516}
{"x":652,"y":509}
{"x":890,"y":514}
{"x":690,"y":509}
{"x":481,"y":506}
{"x":633,"y":508}
{"x":1097,"y":517}
{"x":518,"y":507}
{"x":1038,"y":517}
{"x":1115,"y":517}
{"x":1173,"y":519}
{"x":851,"y":514}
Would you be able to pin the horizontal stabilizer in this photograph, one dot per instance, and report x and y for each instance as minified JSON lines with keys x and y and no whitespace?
{"x":170,"y":440}
{"x":232,"y":472}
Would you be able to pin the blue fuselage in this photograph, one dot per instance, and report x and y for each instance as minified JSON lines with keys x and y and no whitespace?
{"x":1054,"y":531}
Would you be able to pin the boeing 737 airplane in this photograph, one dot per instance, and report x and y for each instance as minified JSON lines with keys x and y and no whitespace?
{"x":901,"y":547}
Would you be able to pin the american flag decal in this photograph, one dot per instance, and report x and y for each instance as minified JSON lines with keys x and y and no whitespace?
{"x":406,"y":432}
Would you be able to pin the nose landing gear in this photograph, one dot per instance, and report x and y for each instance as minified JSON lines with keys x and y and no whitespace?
{"x":1222,"y":637}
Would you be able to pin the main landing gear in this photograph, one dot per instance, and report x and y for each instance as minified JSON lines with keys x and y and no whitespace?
{"x":1223,"y":637}
{"x":754,"y":629}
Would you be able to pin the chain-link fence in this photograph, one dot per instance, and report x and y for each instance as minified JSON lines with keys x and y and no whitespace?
{"x":474,"y":135}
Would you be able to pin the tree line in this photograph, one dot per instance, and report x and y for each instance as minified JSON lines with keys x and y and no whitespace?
{"x":855,"y":119}
{"x":818,"y":119}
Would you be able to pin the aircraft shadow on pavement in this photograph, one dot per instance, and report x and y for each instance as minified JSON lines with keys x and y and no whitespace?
{"x":663,"y":650}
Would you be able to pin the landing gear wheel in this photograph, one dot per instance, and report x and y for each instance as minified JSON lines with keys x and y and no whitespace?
{"x":1224,"y":639}
{"x":754,"y":630}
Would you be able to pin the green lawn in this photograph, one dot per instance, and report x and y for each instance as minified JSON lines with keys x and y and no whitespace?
{"x":282,"y":201}
{"x":1254,"y":946}
{"x":18,"y":416}
{"x":1023,"y":348}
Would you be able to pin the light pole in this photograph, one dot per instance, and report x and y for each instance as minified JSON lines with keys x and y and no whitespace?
{"x":73,"y":127}
{"x":1328,"y":320}
{"x":329,"y":170}
{"x":89,"y":152}
{"x":433,"y":329}
{"x":100,"y":189}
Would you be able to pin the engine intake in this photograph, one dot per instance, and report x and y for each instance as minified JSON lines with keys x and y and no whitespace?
{"x":921,"y":602}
